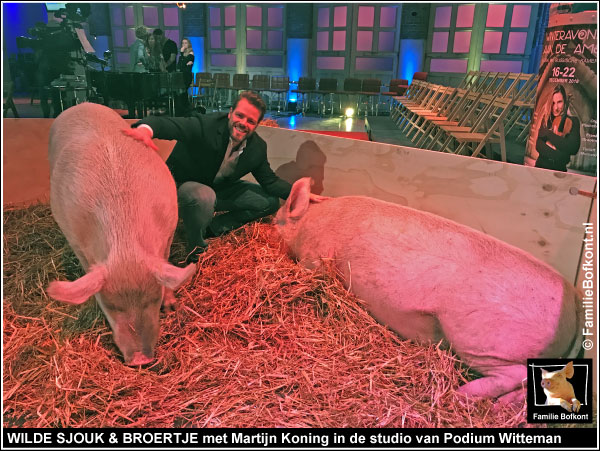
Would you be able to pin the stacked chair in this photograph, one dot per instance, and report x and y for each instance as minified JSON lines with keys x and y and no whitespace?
{"x":481,"y":111}
{"x":397,"y":87}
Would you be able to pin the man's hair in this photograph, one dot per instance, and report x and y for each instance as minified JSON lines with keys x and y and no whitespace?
{"x":141,"y":32}
{"x":160,"y":36}
{"x":253,"y":99}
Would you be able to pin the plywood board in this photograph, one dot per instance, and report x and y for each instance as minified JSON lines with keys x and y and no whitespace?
{"x":25,"y":170}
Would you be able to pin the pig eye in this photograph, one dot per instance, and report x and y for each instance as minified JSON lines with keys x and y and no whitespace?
{"x":113,"y":307}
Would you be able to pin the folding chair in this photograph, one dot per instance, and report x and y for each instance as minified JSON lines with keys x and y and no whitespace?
{"x":421,"y":96}
{"x":449,"y":102}
{"x":495,"y":131}
{"x":464,"y":116}
{"x":397,"y":87}
{"x":456,"y":111}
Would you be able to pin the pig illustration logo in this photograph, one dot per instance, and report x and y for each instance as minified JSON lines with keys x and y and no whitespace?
{"x":558,"y":390}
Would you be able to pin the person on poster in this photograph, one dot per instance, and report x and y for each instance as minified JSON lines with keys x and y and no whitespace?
{"x":558,"y":136}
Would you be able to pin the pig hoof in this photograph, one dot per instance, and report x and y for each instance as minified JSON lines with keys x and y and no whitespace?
{"x":566,"y":405}
{"x":576,"y":405}
{"x":139,"y":359}
{"x":168,"y":304}
{"x":514,"y":398}
{"x":168,"y":307}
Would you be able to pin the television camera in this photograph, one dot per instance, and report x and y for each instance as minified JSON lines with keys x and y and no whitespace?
{"x":58,"y":39}
{"x":61,"y":54}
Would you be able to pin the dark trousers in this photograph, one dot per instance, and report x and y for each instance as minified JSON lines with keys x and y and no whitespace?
{"x":243,"y":201}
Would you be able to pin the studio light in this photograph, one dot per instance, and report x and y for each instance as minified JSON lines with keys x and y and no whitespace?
{"x":349,"y":112}
{"x":348,"y":124}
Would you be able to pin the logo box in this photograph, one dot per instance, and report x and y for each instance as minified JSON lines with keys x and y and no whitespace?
{"x":582,"y":381}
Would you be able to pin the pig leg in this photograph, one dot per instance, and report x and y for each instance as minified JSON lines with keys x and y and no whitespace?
{"x":420,"y":327}
{"x":496,"y":382}
{"x":566,"y":404}
{"x":516,"y":397}
{"x":82,"y":260}
{"x":168,"y":304}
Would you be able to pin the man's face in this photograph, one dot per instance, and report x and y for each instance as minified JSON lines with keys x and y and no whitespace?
{"x":558,"y":103}
{"x":243,"y":121}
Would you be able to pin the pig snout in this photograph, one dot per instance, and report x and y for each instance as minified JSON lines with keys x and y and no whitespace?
{"x":137,"y":348}
{"x":136,"y":332}
{"x":138,"y":359}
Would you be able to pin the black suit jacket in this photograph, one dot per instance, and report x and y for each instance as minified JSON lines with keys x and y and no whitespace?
{"x":201,"y":144}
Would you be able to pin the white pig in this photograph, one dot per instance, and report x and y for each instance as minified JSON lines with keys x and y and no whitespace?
{"x":429,"y":278}
{"x":116,"y":203}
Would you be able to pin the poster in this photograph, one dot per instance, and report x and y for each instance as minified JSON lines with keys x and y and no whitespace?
{"x":564,"y":131}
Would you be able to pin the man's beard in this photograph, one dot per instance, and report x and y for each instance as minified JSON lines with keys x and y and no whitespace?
{"x":246,"y":133}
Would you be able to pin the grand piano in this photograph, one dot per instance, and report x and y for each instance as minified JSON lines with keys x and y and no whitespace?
{"x":137,"y":90}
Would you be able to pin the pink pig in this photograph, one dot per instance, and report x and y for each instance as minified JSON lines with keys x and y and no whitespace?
{"x":116,"y":202}
{"x":429,"y":278}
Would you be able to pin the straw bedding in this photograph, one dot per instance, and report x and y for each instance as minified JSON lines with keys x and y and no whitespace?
{"x":255,"y":341}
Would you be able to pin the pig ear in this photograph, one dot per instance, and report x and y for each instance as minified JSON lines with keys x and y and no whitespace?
{"x":80,"y":290}
{"x":171,"y":276}
{"x":299,"y":198}
{"x":569,"y":370}
{"x":544,"y":372}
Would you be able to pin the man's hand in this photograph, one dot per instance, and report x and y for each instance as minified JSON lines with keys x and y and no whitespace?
{"x":316,"y":198}
{"x":141,"y":134}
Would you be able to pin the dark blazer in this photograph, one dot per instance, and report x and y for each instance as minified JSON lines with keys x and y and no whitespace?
{"x":201,"y":144}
